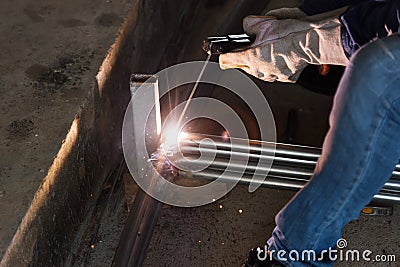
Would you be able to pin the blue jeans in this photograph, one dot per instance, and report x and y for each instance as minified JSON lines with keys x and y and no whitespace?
{"x":359,"y":153}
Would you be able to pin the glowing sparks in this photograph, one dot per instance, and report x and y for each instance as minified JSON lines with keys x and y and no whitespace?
{"x":225,"y":135}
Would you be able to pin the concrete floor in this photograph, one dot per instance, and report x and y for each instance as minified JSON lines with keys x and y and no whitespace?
{"x":221,"y":233}
{"x":50,"y":52}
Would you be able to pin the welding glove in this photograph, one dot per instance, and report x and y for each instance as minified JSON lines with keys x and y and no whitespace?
{"x":283,"y":48}
{"x":297,"y":13}
{"x":286,"y":13}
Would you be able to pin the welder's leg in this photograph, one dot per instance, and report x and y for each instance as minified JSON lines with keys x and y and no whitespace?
{"x":359,"y":154}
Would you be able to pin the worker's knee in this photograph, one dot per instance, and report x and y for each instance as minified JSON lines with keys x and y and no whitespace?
{"x":376,"y":65}
{"x":371,"y":79}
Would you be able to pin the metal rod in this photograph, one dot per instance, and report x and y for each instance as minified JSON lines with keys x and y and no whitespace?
{"x":284,"y":172}
{"x":244,"y":145}
{"x":278,"y":182}
{"x":302,"y":157}
{"x":272,"y":181}
{"x":291,"y":169}
{"x":187,"y":150}
{"x":248,"y":167}
{"x":285,"y":154}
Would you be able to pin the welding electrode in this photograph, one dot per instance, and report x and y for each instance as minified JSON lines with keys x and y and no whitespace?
{"x":222,"y":44}
{"x":214,"y":46}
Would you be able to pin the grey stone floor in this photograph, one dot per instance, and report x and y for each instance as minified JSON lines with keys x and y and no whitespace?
{"x":219,"y":234}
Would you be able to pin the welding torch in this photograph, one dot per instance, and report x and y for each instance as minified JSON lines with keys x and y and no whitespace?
{"x":216,"y":45}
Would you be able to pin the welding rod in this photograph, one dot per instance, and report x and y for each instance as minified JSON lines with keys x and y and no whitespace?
{"x":291,"y":169}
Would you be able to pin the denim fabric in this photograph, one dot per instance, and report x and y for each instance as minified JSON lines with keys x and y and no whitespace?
{"x":359,"y":153}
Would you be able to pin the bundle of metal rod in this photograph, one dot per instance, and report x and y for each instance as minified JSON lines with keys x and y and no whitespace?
{"x":292,"y":165}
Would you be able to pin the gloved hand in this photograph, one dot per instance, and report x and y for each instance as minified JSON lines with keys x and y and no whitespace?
{"x":286,"y":13}
{"x":283,"y":48}
{"x":297,"y":13}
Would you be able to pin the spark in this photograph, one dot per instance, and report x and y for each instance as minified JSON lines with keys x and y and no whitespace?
{"x":225,"y":135}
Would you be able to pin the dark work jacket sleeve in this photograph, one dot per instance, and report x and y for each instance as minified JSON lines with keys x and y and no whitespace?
{"x":368,"y":20}
{"x":312,"y":7}
{"x":364,"y":21}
